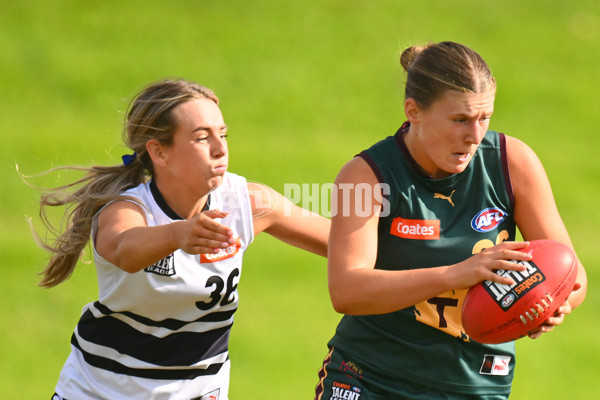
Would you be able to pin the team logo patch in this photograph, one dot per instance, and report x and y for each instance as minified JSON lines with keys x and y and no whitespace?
{"x":495,"y":365}
{"x":165,"y":267}
{"x":488,"y":219}
{"x":344,"y":391}
{"x":419,"y":229}
{"x":223,"y":254}
{"x":505,"y":295}
{"x":351,"y":369}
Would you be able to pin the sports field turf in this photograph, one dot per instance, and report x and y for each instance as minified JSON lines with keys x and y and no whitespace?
{"x":304,"y":85}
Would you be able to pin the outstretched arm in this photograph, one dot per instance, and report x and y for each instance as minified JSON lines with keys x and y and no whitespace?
{"x":124,"y":239}
{"x":279,"y":217}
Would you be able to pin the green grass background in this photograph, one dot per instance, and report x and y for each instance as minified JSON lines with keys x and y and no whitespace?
{"x":304,"y":86}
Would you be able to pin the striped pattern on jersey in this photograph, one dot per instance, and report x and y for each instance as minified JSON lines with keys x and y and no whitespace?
{"x":170,"y":321}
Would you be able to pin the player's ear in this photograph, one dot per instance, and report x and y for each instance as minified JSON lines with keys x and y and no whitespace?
{"x":157,"y":152}
{"x":412,"y":110}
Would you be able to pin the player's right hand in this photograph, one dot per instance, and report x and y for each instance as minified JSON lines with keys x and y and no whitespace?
{"x":201,"y":234}
{"x":483,"y":266}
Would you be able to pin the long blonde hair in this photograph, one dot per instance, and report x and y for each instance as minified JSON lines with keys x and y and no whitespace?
{"x":149,"y":116}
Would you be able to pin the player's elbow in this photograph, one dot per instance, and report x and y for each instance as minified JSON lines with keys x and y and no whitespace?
{"x":129,"y":266}
{"x":346,"y":286}
{"x":339,"y":305}
{"x":127,"y":261}
{"x":341,"y":298}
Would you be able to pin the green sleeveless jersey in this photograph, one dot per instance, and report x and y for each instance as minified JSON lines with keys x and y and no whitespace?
{"x":427,"y":223}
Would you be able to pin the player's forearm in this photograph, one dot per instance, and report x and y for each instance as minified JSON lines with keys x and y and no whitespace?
{"x":308,"y":232}
{"x":361,"y":291}
{"x":141,"y":247}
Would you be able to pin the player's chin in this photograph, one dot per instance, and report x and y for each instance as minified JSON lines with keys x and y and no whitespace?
{"x":455,"y":168}
{"x":215,"y":182}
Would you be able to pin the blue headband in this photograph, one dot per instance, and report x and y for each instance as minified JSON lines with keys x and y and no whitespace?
{"x":128,"y":158}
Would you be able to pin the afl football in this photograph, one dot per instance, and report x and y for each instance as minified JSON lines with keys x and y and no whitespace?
{"x":497,"y":313}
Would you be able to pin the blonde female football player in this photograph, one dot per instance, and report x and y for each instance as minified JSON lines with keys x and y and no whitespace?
{"x":455,"y":193}
{"x":167,"y":270}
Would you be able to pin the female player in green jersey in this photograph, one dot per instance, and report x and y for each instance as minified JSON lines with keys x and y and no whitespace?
{"x":452,"y":195}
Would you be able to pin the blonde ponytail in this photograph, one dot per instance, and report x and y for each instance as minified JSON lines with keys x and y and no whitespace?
{"x":82,"y":199}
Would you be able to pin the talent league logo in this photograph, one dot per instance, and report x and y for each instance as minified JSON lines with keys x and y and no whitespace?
{"x":164,"y":267}
{"x":344,"y":391}
{"x":506,"y":296}
{"x":488,"y":219}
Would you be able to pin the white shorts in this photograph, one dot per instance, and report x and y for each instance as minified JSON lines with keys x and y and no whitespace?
{"x":80,"y":381}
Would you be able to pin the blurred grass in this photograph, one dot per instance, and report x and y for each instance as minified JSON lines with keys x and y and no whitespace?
{"x":304,"y":86}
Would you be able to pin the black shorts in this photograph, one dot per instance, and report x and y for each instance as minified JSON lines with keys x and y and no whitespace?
{"x":340,"y":378}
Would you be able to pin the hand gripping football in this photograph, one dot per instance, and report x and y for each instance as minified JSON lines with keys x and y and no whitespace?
{"x":497,"y":313}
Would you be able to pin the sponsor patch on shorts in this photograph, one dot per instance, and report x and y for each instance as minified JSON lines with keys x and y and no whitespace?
{"x":495,"y":365}
{"x":344,"y":391}
{"x":214,"y":395}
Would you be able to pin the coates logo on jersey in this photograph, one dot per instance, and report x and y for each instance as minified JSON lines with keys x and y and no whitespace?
{"x":488,"y":219}
{"x":222,"y":254}
{"x":420,"y":229}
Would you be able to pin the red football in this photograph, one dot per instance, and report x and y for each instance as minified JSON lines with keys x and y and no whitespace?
{"x":496,"y":313}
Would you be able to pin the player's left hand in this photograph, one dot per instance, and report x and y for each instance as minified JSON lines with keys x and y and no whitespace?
{"x":553,"y":321}
{"x":556,"y":319}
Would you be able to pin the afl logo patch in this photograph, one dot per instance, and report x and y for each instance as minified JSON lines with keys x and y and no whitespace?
{"x":508,"y":300}
{"x":488,"y":219}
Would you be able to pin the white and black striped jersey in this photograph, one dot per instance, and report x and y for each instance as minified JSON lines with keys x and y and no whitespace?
{"x":163,"y":331}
